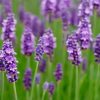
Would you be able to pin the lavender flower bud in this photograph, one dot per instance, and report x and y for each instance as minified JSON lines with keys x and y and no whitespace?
{"x":58,"y":72}
{"x":49,"y":42}
{"x":45,"y":86}
{"x":97,"y":49}
{"x":2,"y":68}
{"x":37,"y":78}
{"x":85,"y":8}
{"x":48,"y":8}
{"x":84,"y":34}
{"x":27,"y":42}
{"x":7,"y":6}
{"x":73,"y":49}
{"x":51,"y":88}
{"x":27,"y":79}
{"x":96,"y":3}
{"x":10,"y":61}
{"x":42,"y":66}
{"x":8,"y":29}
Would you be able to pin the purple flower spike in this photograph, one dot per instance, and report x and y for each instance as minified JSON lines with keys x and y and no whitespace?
{"x":37,"y":78}
{"x":84,"y":34}
{"x":51,"y":88}
{"x":10,"y":61}
{"x":8,"y":28}
{"x":42,"y":66}
{"x":2,"y":68}
{"x":28,"y":42}
{"x":97,"y":49}
{"x":45,"y":86}
{"x":49,"y":42}
{"x":48,"y":8}
{"x":58,"y":72}
{"x":7,"y":6}
{"x":27,"y":79}
{"x":73,"y":49}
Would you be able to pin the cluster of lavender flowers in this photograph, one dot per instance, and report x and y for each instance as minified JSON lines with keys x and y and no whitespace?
{"x":28,"y":19}
{"x":28,"y":42}
{"x":73,"y":49}
{"x":8,"y":28}
{"x":10,"y":62}
{"x":46,"y":45}
{"x":27,"y":79}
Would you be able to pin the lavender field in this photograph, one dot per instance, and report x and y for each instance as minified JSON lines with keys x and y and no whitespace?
{"x":49,"y":50}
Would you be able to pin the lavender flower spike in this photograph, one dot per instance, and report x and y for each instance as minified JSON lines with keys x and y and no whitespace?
{"x":51,"y":88}
{"x":97,"y":49}
{"x":10,"y":61}
{"x":49,"y":42}
{"x":2,"y":68}
{"x":27,"y":79}
{"x":8,"y":28}
{"x":42,"y":66}
{"x":73,"y":49}
{"x":28,"y":42}
{"x":45,"y":86}
{"x":37,"y":78}
{"x":58,"y":72}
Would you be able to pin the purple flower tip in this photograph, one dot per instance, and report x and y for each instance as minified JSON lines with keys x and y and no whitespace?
{"x":45,"y":86}
{"x":51,"y":88}
{"x":58,"y":72}
{"x":27,"y":79}
{"x":37,"y":78}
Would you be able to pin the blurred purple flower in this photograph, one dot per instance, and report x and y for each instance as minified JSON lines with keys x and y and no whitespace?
{"x":42,"y":66}
{"x":84,"y":33}
{"x":10,"y":61}
{"x":45,"y":86}
{"x":8,"y":28}
{"x":2,"y":68}
{"x":96,"y":3}
{"x":73,"y":49}
{"x":58,"y":72}
{"x":51,"y":88}
{"x":97,"y":49}
{"x":28,"y":42}
{"x":27,"y":79}
{"x":37,"y":78}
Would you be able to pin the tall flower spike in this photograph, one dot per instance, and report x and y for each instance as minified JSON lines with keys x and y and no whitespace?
{"x":73,"y":49}
{"x":97,"y":49}
{"x":49,"y":42}
{"x":8,"y":28}
{"x":58,"y":72}
{"x":28,"y":42}
{"x":48,"y":8}
{"x":2,"y":68}
{"x":37,"y":78}
{"x":84,"y":34}
{"x":51,"y":88}
{"x":27,"y":79}
{"x":10,"y":61}
{"x":42,"y":66}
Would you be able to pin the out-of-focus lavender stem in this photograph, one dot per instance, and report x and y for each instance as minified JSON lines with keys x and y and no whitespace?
{"x":33,"y":82}
{"x":96,"y":84}
{"x":15,"y":92}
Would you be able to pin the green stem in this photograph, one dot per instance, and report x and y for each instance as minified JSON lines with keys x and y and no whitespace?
{"x":96,"y":85}
{"x":38,"y":92}
{"x":28,"y":61}
{"x":50,"y":70}
{"x":33,"y":82}
{"x":58,"y":91}
{"x":15,"y":92}
{"x":44,"y":92}
{"x":76,"y":83}
{"x":27,"y":95}
{"x":2,"y":95}
{"x":70,"y":83}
